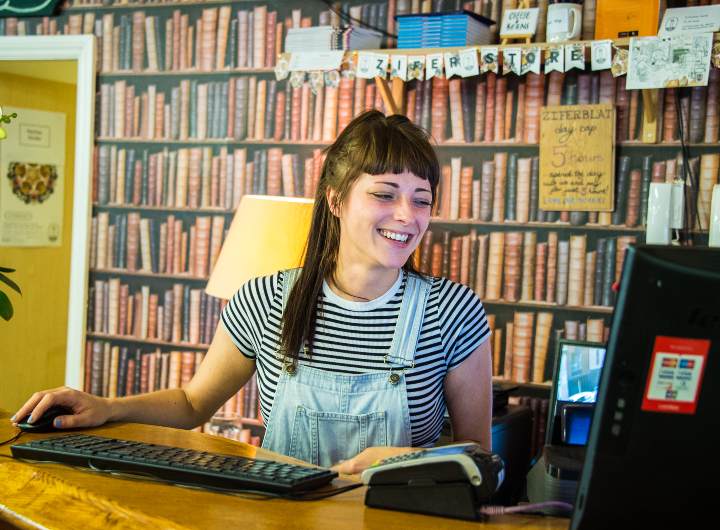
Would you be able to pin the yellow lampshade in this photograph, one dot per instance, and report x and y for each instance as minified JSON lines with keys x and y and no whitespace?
{"x":267,"y":234}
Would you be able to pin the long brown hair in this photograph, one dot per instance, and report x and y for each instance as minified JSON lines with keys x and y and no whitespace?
{"x":374,"y":144}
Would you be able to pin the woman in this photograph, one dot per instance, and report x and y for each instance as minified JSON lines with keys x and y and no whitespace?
{"x":357,"y":355}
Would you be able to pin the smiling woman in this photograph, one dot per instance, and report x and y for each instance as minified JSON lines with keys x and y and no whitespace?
{"x":358,"y":356}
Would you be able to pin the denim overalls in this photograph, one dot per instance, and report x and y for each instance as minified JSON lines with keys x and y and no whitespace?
{"x":324,"y":417}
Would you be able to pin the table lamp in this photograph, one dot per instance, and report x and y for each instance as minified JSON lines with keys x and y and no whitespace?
{"x":267,"y":234}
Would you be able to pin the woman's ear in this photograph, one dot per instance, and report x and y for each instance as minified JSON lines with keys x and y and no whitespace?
{"x":331,"y":196}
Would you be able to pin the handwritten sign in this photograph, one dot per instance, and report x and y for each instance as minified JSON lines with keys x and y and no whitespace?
{"x":519,"y":22}
{"x":577,"y":157}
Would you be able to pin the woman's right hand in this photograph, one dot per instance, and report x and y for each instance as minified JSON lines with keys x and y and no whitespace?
{"x":87,"y":410}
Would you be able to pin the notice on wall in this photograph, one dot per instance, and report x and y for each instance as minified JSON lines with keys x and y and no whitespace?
{"x":577,"y":157}
{"x":655,"y":62}
{"x":32,"y":179}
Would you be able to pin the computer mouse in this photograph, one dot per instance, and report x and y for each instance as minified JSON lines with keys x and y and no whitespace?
{"x":45,"y":422}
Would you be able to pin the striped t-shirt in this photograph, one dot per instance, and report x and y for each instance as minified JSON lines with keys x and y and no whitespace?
{"x":353,"y":337}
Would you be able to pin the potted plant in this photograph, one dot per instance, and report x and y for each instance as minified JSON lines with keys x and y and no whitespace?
{"x":6,"y":308}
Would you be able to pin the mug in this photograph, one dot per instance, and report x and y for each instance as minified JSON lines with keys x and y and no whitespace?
{"x":564,"y":22}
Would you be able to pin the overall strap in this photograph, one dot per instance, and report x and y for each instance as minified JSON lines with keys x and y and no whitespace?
{"x":410,"y":319}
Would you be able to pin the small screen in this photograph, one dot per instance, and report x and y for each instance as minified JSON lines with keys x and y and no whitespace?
{"x":579,"y":373}
{"x":446,"y":450}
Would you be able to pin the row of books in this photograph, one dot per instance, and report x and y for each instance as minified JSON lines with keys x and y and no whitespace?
{"x":488,"y":108}
{"x":241,"y":108}
{"x":180,"y":314}
{"x":517,"y":267}
{"x":113,"y":371}
{"x":506,"y":188}
{"x":200,"y":177}
{"x":218,"y":38}
{"x":493,"y":108}
{"x":522,"y":347}
{"x":173,"y":246}
{"x":539,"y":408}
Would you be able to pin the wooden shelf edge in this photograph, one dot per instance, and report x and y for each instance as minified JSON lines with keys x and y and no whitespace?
{"x":153,"y":342}
{"x":549,"y":306}
{"x":151,"y":274}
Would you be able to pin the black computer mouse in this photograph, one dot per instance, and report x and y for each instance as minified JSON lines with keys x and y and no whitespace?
{"x":45,"y":422}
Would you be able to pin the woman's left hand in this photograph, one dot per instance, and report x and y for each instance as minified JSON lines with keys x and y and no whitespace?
{"x":368,"y":457}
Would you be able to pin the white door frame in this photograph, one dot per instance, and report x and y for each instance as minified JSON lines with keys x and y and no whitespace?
{"x":80,"y":48}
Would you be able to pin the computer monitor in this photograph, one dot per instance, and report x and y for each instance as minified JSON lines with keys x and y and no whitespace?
{"x":576,"y":375}
{"x":654,"y":448}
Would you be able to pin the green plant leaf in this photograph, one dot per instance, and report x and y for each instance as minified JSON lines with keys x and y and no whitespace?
{"x":6,"y":308}
{"x":7,"y":281}
{"x":5,"y":269}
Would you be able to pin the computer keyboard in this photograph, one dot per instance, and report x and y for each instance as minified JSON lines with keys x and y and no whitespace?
{"x":183,"y":466}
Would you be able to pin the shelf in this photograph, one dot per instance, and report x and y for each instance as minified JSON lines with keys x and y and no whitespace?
{"x":544,"y":385}
{"x":151,"y":4}
{"x":179,"y":209}
{"x":153,"y":342}
{"x":666,"y":145}
{"x":439,"y":145}
{"x":193,"y":72}
{"x":210,"y":141}
{"x":149,"y":274}
{"x":518,"y":225}
{"x":549,"y":305}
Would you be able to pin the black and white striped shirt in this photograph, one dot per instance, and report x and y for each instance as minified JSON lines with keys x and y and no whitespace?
{"x":352,"y":338}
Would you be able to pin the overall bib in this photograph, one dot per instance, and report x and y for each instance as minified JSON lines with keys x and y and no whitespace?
{"x":322,"y":417}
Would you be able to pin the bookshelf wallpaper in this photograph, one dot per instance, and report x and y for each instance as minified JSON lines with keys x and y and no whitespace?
{"x":190,"y":117}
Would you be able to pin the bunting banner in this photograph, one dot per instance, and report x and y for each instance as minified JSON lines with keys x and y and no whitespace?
{"x":332,"y":78}
{"x":600,"y":54}
{"x":488,"y":60}
{"x":317,"y":81}
{"x":434,"y":65}
{"x":399,"y":66}
{"x":530,"y":61}
{"x":297,"y":78}
{"x":370,"y":65}
{"x":469,"y":62}
{"x":452,"y":65}
{"x":619,"y":62}
{"x":416,"y":67}
{"x":511,"y":60}
{"x":555,"y":59}
{"x":575,"y":56}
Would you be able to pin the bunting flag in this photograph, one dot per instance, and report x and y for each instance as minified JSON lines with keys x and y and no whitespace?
{"x":282,"y":68}
{"x":511,"y":60}
{"x":452,"y":65}
{"x":575,"y":56}
{"x":554,"y":59}
{"x":488,"y":60}
{"x":469,"y":62}
{"x":434,"y":65}
{"x":297,"y":78}
{"x":619,"y":62}
{"x":530,"y":61}
{"x":399,"y":66}
{"x":600,"y":54}
{"x":416,"y":67}
{"x":332,"y":78}
{"x":317,"y":80}
{"x":370,"y":65}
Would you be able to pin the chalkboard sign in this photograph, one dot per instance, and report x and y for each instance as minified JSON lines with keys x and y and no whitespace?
{"x":577,"y":157}
{"x":27,"y":8}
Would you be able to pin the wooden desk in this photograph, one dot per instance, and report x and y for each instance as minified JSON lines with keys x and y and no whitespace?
{"x":57,"y":496}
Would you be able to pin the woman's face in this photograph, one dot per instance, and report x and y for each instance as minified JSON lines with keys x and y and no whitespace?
{"x":383,"y":219}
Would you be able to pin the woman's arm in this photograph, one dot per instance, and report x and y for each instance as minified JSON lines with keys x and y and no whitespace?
{"x":219,"y":376}
{"x":468,"y":392}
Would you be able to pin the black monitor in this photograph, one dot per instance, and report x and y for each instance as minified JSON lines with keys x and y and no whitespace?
{"x":653,"y":456}
{"x":576,"y":376}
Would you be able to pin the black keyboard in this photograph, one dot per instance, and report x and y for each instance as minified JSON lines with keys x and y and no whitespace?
{"x":184,"y":466}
